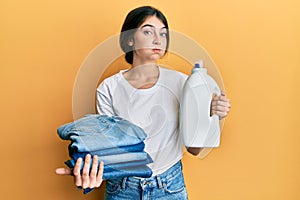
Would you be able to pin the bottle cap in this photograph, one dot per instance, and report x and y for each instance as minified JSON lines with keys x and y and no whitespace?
{"x":198,"y":64}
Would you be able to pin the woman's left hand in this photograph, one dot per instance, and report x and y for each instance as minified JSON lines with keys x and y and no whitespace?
{"x":220,"y":106}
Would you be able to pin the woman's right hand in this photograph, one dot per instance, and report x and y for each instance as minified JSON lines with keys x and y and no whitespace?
{"x":88,"y":179}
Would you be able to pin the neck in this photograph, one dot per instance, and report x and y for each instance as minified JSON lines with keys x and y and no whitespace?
{"x":142,"y":75}
{"x":144,"y":69}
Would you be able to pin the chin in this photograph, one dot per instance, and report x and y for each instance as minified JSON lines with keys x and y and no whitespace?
{"x":155,"y":57}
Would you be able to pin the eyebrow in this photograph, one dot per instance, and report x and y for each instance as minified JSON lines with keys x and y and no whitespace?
{"x":146,"y":25}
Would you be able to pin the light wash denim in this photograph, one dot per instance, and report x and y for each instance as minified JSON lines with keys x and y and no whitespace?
{"x":94,"y":132}
{"x":117,"y":142}
{"x":116,"y":150}
{"x":166,"y":186}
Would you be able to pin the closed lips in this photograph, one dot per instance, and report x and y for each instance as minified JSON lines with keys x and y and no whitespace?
{"x":155,"y":49}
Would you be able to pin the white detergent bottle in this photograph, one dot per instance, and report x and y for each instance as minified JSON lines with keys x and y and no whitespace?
{"x":197,"y":127}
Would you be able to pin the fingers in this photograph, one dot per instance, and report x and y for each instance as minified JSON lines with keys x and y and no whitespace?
{"x":220,"y":105}
{"x":96,"y":173}
{"x":221,"y":98}
{"x":76,"y":172}
{"x":86,"y":172}
{"x":91,"y":174}
{"x":219,"y":113}
{"x":63,"y":171}
{"x":100,"y":174}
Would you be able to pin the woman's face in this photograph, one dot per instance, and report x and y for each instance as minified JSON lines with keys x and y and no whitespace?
{"x":150,"y":40}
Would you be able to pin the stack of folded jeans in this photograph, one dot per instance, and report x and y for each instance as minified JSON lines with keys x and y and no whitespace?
{"x":116,"y":142}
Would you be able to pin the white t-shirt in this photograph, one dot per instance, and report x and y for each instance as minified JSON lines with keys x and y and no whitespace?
{"x":155,"y":109}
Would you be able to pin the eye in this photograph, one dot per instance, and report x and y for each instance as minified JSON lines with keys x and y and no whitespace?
{"x":163,"y":34}
{"x":147,"y":32}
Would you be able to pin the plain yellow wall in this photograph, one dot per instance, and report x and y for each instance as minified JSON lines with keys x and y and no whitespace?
{"x":255,"y":44}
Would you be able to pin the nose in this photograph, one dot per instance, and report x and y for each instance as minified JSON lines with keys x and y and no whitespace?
{"x":156,"y":39}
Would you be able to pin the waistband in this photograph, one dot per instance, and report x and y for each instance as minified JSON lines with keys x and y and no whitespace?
{"x":157,"y":181}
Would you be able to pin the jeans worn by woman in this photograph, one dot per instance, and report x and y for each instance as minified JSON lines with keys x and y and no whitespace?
{"x":166,"y":186}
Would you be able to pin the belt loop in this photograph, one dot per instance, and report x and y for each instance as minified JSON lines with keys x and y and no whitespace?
{"x":124,"y":182}
{"x":159,"y":182}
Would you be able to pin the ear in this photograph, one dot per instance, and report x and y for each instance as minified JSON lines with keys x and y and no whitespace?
{"x":130,"y":42}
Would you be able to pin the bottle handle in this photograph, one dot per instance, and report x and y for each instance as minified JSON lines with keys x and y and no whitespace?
{"x":213,"y":86}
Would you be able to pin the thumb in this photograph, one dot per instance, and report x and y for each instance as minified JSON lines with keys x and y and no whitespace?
{"x":223,"y":93}
{"x":63,"y":171}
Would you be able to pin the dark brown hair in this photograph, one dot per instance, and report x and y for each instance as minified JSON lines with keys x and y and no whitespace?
{"x":132,"y":21}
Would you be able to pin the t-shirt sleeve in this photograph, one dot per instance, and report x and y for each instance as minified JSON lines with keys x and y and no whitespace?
{"x":181,"y":82}
{"x":104,"y":100}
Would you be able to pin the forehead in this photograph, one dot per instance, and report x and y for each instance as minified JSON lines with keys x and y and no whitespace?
{"x":153,"y":21}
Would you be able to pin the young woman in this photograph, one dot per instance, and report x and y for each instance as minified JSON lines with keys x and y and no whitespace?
{"x":149,"y":96}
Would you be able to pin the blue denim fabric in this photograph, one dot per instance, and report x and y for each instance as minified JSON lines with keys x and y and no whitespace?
{"x":111,"y":151}
{"x":119,"y":158}
{"x":113,"y":171}
{"x":120,"y":170}
{"x":94,"y":132}
{"x":117,"y":142}
{"x":119,"y":163}
{"x":166,"y":186}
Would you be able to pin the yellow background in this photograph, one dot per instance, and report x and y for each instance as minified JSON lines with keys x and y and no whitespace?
{"x":255,"y":44}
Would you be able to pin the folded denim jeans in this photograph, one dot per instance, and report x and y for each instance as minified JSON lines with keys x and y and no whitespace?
{"x":94,"y":132}
{"x":117,"y":142}
{"x":137,"y":168}
{"x":111,"y":151}
{"x":112,"y":173}
{"x":121,"y":170}
{"x":118,"y":158}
